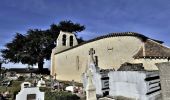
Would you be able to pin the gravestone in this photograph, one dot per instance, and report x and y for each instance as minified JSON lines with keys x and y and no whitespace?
{"x":41,"y":83}
{"x":164,"y":71}
{"x":25,"y":85}
{"x":29,"y":93}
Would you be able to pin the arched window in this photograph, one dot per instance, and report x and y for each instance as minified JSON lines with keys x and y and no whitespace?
{"x":71,"y":40}
{"x":64,"y":40}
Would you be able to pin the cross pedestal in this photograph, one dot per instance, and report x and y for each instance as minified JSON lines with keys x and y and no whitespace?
{"x":90,"y":89}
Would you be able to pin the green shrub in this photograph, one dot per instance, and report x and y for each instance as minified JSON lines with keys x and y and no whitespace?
{"x":21,"y":78}
{"x":60,"y":96}
{"x":15,"y":88}
{"x":14,"y":94}
{"x":45,"y":89}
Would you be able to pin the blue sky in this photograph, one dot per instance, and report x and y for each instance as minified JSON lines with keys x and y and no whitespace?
{"x":148,"y":17}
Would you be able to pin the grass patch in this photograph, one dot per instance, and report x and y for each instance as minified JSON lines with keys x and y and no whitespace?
{"x":15,"y":86}
{"x":60,"y":96}
{"x":13,"y":89}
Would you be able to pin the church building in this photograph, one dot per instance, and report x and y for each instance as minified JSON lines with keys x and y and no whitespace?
{"x":69,"y":59}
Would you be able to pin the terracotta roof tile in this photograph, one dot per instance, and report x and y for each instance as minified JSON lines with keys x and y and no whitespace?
{"x":153,"y":49}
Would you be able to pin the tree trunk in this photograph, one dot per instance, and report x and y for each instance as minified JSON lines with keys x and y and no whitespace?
{"x":0,"y":68}
{"x":40,"y":66}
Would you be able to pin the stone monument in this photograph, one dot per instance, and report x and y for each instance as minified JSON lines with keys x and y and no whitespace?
{"x":90,"y":88}
{"x":41,"y":83}
{"x":29,"y":93}
{"x":100,"y":76}
{"x":164,"y":71}
{"x":25,"y":85}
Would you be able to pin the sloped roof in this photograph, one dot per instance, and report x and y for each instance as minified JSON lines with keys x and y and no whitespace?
{"x":152,"y":49}
{"x":134,"y":34}
{"x":131,"y":67}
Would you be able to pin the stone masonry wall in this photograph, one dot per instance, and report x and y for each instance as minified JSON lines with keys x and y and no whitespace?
{"x":164,"y":71}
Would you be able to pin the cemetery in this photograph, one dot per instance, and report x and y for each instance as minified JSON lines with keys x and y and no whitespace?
{"x":29,"y":93}
{"x":130,"y":82}
{"x":38,"y":87}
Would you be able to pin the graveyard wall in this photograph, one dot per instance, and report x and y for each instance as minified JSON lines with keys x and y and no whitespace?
{"x":149,"y":64}
{"x":111,"y":52}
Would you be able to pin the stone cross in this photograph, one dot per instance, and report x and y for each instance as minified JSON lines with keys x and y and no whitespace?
{"x":73,"y":83}
{"x":55,"y":76}
{"x":51,"y":81}
{"x":91,"y":53}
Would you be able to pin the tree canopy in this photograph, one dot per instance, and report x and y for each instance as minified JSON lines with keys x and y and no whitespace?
{"x":36,"y":45}
{"x":66,"y":26}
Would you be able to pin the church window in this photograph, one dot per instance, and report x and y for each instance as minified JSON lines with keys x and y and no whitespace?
{"x":71,"y":40}
{"x":64,"y":40}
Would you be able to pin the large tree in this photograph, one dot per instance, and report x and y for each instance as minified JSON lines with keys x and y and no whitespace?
{"x":15,"y":49}
{"x":36,"y":45}
{"x":1,"y":62}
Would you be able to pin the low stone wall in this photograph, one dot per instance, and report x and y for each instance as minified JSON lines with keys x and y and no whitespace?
{"x":140,"y":85}
{"x":164,"y":71}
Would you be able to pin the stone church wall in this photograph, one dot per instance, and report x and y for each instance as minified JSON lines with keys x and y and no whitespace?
{"x":111,"y":53}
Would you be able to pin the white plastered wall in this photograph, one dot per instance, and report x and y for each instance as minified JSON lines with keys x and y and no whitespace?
{"x":111,"y":52}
